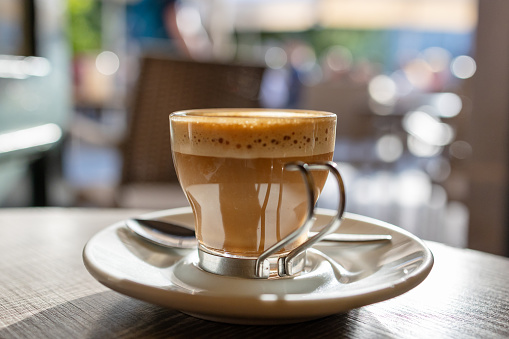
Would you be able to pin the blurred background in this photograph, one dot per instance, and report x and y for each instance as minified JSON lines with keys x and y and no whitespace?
{"x":420,"y":88}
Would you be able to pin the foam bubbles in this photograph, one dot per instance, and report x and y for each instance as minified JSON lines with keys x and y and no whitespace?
{"x":243,"y":134}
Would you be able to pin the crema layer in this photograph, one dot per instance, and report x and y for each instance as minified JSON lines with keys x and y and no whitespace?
{"x":253,"y":133}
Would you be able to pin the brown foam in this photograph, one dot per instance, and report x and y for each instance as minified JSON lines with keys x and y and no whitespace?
{"x":253,"y":133}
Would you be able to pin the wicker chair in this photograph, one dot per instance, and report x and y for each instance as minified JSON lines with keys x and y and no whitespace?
{"x":168,"y":85}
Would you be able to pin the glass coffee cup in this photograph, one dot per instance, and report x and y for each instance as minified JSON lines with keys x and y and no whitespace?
{"x":252,"y":178}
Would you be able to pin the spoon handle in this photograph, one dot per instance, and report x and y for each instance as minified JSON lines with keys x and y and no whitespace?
{"x":178,"y":236}
{"x":343,"y":237}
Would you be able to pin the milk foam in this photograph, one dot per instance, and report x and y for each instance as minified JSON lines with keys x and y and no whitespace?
{"x":253,"y":133}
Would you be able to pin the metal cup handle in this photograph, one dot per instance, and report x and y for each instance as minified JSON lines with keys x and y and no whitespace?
{"x":294,"y":262}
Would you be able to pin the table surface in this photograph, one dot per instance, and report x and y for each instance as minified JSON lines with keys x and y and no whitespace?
{"x":46,"y":292}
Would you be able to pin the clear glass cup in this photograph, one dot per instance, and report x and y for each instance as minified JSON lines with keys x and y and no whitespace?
{"x":252,"y":178}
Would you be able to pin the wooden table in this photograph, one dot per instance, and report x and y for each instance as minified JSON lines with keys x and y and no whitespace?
{"x":46,"y":292}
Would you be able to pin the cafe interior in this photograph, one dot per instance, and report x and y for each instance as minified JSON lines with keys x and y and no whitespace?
{"x":419,"y":88}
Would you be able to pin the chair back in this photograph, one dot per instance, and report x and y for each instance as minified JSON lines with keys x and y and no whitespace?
{"x":167,"y":85}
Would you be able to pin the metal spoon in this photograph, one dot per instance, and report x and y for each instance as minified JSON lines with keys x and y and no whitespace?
{"x":179,"y":236}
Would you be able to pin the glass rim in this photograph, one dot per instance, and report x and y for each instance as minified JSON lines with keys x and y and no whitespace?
{"x":257,"y":113}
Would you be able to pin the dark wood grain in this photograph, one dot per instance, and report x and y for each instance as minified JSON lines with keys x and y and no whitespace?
{"x":45,"y":292}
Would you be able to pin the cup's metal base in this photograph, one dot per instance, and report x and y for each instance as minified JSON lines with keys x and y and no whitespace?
{"x":241,"y":267}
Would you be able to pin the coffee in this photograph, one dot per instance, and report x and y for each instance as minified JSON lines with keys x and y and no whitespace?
{"x":231,"y":167}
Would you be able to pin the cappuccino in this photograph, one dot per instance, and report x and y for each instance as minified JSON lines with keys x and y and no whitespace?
{"x":231,"y":166}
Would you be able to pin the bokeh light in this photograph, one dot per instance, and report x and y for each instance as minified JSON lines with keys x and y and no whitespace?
{"x":339,"y":58}
{"x":437,"y":58}
{"x":420,"y":148}
{"x":303,"y":58}
{"x":460,"y":149}
{"x":428,"y":128}
{"x":463,"y":67}
{"x":403,"y":86}
{"x":414,"y":188}
{"x":438,"y":169}
{"x":276,"y":57}
{"x":419,"y":73}
{"x":107,"y":63}
{"x":188,"y":20}
{"x":29,"y":137}
{"x":389,"y":148}
{"x":382,"y":89}
{"x":18,"y":67}
{"x":448,"y":104}
{"x":36,"y":66}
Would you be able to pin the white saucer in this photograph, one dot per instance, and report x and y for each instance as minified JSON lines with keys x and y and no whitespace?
{"x":339,"y":277}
